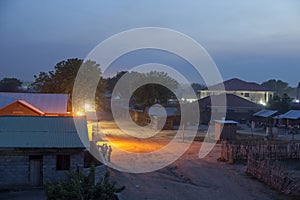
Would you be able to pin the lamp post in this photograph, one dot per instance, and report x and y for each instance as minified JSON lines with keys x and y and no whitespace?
{"x":298,"y":88}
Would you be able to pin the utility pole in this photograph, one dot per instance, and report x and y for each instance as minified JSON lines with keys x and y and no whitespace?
{"x":298,"y":88}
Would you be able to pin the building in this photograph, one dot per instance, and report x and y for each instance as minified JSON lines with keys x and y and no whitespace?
{"x":153,"y":115}
{"x":225,"y":130}
{"x":237,"y":108}
{"x":248,"y":90}
{"x":34,"y":150}
{"x":33,"y":104}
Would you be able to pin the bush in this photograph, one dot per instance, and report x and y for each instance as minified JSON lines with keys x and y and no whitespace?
{"x":78,"y":186}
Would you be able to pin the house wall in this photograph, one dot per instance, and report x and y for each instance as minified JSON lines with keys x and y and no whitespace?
{"x":14,"y":169}
{"x":258,"y":97}
{"x":49,"y":167}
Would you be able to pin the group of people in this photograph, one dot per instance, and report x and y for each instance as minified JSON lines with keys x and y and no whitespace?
{"x":106,"y":151}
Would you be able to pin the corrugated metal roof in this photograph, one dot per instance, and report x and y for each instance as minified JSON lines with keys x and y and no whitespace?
{"x":233,"y":101}
{"x":48,"y":103}
{"x":292,"y":114}
{"x":265,"y":113}
{"x":226,"y":122}
{"x":42,"y":132}
{"x":31,"y":107}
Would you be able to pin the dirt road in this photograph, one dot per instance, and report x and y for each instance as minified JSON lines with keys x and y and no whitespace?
{"x":193,"y":178}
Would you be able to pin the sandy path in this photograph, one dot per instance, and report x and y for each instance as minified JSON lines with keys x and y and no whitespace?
{"x":193,"y":178}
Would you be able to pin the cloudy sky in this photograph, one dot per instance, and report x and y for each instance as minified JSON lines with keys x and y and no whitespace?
{"x":253,"y":40}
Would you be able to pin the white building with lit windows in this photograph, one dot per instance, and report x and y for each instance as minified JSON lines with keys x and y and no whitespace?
{"x":248,"y":90}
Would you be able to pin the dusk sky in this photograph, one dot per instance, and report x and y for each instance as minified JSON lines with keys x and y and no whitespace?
{"x":253,"y":40}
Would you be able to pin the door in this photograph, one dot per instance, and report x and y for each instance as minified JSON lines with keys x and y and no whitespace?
{"x":35,"y":170}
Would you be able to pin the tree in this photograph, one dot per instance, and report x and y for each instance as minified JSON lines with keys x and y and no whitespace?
{"x":147,"y":94}
{"x":62,"y":79}
{"x":197,"y":87}
{"x":282,"y":104}
{"x":112,"y":81}
{"x":10,"y":85}
{"x":278,"y":86}
{"x":152,"y":93}
{"x":78,"y":186}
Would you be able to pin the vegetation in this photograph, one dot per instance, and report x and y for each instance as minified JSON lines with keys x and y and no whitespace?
{"x":62,"y":79}
{"x":81,"y":187}
{"x":197,"y":86}
{"x":10,"y":85}
{"x":280,"y":88}
{"x":147,"y":94}
{"x":282,"y":104}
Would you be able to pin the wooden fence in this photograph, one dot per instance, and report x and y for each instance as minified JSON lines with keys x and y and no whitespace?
{"x":265,"y":151}
{"x":264,"y":162}
{"x":273,"y":174}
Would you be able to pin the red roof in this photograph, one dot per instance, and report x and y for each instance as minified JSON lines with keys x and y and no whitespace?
{"x":236,"y":84}
{"x":27,"y":105}
{"x":232,"y":101}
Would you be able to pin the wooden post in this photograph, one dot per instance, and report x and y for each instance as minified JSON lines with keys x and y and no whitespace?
{"x":183,"y":133}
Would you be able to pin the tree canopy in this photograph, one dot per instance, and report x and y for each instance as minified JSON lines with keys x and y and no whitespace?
{"x":282,"y":104}
{"x":147,"y":94}
{"x":62,"y":78}
{"x":278,"y":86}
{"x":10,"y":85}
{"x":151,"y":93}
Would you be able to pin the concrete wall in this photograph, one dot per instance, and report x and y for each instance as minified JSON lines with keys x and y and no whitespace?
{"x":49,"y":167}
{"x":14,"y":171}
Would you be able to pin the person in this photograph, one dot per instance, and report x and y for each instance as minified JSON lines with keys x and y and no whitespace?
{"x":101,"y":149}
{"x":109,"y":153}
{"x":105,"y":148}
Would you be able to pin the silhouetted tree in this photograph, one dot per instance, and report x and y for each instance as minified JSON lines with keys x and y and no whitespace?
{"x":278,"y":86}
{"x":151,"y":93}
{"x":112,"y":81}
{"x":197,"y":87}
{"x":10,"y":85}
{"x":62,"y":79}
{"x":147,"y":94}
{"x":282,"y":104}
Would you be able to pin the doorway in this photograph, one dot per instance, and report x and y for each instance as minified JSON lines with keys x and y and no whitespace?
{"x":35,"y":170}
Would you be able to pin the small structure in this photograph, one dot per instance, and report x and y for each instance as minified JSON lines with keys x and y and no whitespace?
{"x":157,"y":113}
{"x":34,"y":150}
{"x":265,"y":113}
{"x":225,"y":130}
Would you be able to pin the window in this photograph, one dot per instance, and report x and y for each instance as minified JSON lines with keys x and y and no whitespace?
{"x":62,"y":162}
{"x":247,"y":95}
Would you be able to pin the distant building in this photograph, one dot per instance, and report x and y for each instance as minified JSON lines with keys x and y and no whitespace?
{"x":237,"y":108}
{"x":248,"y":90}
{"x":33,"y":104}
{"x":154,"y":115}
{"x":34,"y":150}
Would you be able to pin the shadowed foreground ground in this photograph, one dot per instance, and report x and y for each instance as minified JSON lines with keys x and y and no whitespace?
{"x":193,"y":178}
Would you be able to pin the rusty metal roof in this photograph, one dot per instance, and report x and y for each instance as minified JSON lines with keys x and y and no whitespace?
{"x":47,"y":103}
